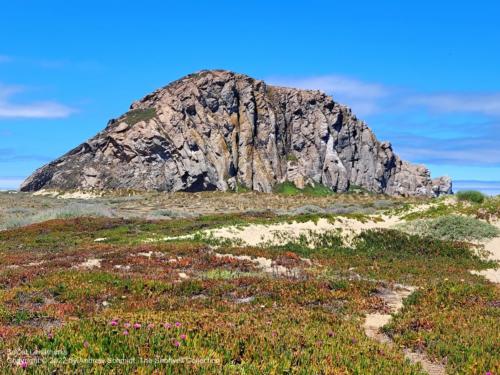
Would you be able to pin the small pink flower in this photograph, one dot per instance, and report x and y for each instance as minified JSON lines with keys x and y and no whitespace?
{"x":85,"y":344}
{"x":177,"y":344}
{"x":126,"y":325}
{"x":50,"y":335}
{"x":137,"y":325}
{"x":183,"y":337}
{"x":113,"y":323}
{"x":167,"y":325}
{"x":331,"y":334}
{"x":273,"y":333}
{"x":488,"y":373}
{"x":178,"y":324}
{"x":125,"y":333}
{"x":23,"y":363}
{"x":151,"y":325}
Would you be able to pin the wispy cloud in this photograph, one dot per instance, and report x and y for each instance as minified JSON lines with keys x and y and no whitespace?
{"x":51,"y":63}
{"x":364,"y":97}
{"x":42,"y":109}
{"x":480,"y":150}
{"x":35,"y":110}
{"x":367,"y":98}
{"x":486,"y":104}
{"x":335,"y":84}
{"x":8,"y":155}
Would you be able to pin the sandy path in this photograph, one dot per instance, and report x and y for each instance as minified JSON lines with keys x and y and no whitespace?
{"x":493,"y":247}
{"x":374,"y":322}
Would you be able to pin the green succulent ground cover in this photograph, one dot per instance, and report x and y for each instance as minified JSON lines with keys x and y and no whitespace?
{"x":136,"y":314}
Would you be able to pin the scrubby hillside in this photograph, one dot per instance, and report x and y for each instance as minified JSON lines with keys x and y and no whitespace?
{"x":326,"y":284}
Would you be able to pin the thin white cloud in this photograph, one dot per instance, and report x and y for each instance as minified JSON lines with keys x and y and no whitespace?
{"x":367,"y":98}
{"x":7,"y":91}
{"x":363,"y":97}
{"x":335,"y":84}
{"x":468,"y":156}
{"x":479,"y":150}
{"x":45,"y":109}
{"x":487,"y":104}
{"x":35,"y":110}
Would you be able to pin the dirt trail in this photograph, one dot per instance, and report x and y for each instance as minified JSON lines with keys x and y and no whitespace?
{"x":374,"y":322}
{"x":493,"y":247}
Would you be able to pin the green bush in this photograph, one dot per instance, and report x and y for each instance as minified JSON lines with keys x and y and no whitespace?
{"x":472,"y":196}
{"x":452,"y":227}
{"x":289,"y":188}
{"x":318,"y":190}
{"x":394,"y":244}
{"x":134,"y":116}
{"x":356,"y":189}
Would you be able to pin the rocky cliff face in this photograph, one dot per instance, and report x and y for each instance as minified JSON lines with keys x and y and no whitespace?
{"x":221,"y":130}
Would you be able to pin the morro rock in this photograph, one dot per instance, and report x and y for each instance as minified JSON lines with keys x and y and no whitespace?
{"x":219,"y":130}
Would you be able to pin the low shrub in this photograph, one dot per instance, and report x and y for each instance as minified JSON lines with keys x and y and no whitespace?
{"x":452,"y":227}
{"x":472,"y":196}
{"x":396,"y":244}
{"x":137,"y":115}
{"x":289,"y":188}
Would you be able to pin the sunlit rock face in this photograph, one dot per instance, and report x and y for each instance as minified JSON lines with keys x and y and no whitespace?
{"x":219,"y":130}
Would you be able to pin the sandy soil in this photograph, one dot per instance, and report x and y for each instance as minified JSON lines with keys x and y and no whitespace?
{"x":261,"y":234}
{"x":264,"y":264}
{"x":91,"y":263}
{"x":66,"y":195}
{"x":493,"y":247}
{"x":280,"y":233}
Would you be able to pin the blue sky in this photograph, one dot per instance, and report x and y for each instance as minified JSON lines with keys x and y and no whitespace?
{"x":424,"y":75}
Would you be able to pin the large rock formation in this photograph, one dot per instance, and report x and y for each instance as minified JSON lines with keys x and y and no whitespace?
{"x":221,"y":130}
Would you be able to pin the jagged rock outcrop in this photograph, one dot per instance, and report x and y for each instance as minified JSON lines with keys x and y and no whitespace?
{"x":221,"y":130}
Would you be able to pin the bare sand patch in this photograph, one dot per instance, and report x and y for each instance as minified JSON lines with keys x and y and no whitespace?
{"x":283,"y":232}
{"x":67,"y":195}
{"x":265,"y":264}
{"x":78,"y":195}
{"x":493,"y":248}
{"x":49,"y":193}
{"x":280,"y":233}
{"x":91,"y":263}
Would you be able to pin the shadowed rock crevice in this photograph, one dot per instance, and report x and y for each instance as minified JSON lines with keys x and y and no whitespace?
{"x":220,"y":130}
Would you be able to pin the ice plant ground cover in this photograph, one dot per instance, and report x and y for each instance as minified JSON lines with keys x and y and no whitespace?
{"x":198,"y":304}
